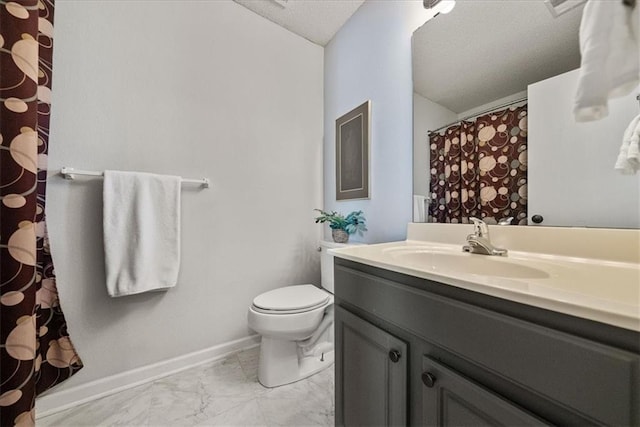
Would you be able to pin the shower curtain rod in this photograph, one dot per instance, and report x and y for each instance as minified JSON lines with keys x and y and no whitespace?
{"x":497,"y":107}
{"x":70,"y":173}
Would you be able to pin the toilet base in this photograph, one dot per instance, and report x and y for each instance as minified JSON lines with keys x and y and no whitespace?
{"x":281,"y":362}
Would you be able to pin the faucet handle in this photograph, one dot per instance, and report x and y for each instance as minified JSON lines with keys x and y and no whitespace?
{"x":480,"y":227}
{"x":505,"y":221}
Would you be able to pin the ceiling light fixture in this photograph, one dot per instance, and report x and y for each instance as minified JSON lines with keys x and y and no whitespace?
{"x":439,"y":6}
{"x":559,"y":7}
{"x":281,"y":3}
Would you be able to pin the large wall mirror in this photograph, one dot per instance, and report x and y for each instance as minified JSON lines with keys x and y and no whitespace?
{"x":504,"y":75}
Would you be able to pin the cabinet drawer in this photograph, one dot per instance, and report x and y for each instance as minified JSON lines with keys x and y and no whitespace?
{"x":597,"y":381}
{"x":450,"y":399}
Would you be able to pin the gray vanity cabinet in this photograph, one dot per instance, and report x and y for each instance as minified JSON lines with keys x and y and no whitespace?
{"x":373,"y":374}
{"x":466,"y":358}
{"x":449,"y":399}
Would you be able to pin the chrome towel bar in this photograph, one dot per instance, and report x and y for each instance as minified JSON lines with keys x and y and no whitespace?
{"x":70,"y":173}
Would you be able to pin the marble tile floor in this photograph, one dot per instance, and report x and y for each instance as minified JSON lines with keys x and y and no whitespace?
{"x":222,"y":393}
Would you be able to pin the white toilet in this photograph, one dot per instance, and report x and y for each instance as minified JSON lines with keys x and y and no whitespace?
{"x":296,"y":324}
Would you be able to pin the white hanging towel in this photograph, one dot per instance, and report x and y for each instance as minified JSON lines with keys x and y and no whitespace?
{"x":610,"y":49}
{"x":628,"y":161}
{"x":141,"y":231}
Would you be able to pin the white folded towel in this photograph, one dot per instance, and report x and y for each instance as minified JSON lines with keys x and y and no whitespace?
{"x":141,"y":231}
{"x":628,"y":161}
{"x":610,"y":46}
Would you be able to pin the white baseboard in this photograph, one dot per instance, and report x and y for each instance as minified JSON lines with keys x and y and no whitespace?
{"x":54,"y":402}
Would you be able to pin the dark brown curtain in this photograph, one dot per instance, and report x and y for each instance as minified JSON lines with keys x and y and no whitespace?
{"x":479,"y":169}
{"x":35,"y":350}
{"x":454,"y":175}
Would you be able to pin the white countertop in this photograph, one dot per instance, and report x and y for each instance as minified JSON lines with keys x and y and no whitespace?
{"x":602,"y":290}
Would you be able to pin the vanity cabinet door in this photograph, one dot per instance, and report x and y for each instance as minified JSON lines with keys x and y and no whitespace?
{"x":371,"y":374}
{"x":449,"y":399}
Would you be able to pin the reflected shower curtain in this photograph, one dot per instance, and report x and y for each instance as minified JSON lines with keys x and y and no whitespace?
{"x":454,"y":180}
{"x":35,"y":350}
{"x":479,"y":169}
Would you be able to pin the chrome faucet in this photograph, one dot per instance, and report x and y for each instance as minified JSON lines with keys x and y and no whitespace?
{"x":479,"y":243}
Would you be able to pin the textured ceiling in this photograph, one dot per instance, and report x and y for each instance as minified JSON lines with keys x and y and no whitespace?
{"x":315,"y":20}
{"x":485,"y":50}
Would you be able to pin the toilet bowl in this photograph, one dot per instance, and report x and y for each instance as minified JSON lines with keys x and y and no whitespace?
{"x":296,"y":325}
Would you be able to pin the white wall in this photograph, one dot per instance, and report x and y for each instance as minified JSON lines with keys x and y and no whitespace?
{"x":370,"y":58}
{"x":572,"y":181}
{"x":427,"y":115}
{"x":194,"y":89}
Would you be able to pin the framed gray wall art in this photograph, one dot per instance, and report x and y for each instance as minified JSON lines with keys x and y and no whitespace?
{"x":352,"y":154}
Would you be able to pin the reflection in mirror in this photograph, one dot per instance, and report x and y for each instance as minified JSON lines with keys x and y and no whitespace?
{"x":494,"y":132}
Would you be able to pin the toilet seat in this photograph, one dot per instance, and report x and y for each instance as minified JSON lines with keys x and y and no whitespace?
{"x":290,"y":300}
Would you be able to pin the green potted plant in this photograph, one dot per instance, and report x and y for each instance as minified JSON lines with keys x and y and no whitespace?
{"x":342,"y":227}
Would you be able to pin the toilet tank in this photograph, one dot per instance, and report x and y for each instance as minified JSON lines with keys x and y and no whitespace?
{"x":326,"y":262}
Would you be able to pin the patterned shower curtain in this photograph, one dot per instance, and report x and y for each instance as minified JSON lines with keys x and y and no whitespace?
{"x":479,"y":169}
{"x":35,"y":350}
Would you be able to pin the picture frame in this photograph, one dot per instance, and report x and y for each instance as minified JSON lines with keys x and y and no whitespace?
{"x":352,"y":153}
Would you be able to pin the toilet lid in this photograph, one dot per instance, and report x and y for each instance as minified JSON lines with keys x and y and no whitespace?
{"x":289,"y":298}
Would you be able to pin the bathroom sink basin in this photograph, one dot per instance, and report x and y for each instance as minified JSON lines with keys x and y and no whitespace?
{"x":464,"y":263}
{"x":597,"y":289}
